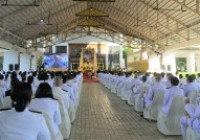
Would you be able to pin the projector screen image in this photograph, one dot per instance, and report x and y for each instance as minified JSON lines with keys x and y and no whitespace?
{"x":55,"y":61}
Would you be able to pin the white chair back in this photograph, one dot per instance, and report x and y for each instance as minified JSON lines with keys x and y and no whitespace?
{"x":169,"y":124}
{"x":7,"y":102}
{"x":193,"y":97}
{"x":65,"y":126}
{"x":177,"y":107}
{"x":54,"y":136}
{"x":151,"y":112}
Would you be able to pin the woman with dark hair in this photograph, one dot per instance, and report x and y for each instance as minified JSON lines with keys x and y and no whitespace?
{"x":44,"y":102}
{"x":7,"y":81}
{"x":30,"y":81}
{"x":19,"y":123}
{"x":14,"y":82}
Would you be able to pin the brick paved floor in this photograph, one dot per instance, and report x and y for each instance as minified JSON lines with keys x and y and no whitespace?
{"x":104,"y":116}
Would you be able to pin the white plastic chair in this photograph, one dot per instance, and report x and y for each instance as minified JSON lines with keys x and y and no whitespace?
{"x":151,"y":111}
{"x":170,"y":124}
{"x":54,"y":136}
{"x":131,"y":96}
{"x":65,"y":126}
{"x":124,"y":91}
{"x":51,"y":129}
{"x":138,"y":105}
{"x":191,"y":135}
{"x":7,"y":102}
{"x":193,"y":97}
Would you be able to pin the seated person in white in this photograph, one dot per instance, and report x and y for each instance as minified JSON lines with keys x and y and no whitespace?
{"x":68,"y":89}
{"x":143,"y":88}
{"x":7,"y":81}
{"x":23,"y":77}
{"x":14,"y":81}
{"x":44,"y":101}
{"x":119,"y":81}
{"x":125,"y":90}
{"x":58,"y":92}
{"x":168,"y":84}
{"x":163,"y":79}
{"x":19,"y":123}
{"x":191,"y":118}
{"x":170,"y":93}
{"x":51,"y":79}
{"x":148,"y":97}
{"x":30,"y":81}
{"x":36,"y":80}
{"x":198,"y":78}
{"x":149,"y":79}
{"x":2,"y":81}
{"x":190,"y":86}
{"x":182,"y":82}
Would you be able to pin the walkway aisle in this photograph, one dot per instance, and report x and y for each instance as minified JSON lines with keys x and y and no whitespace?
{"x":103,"y":116}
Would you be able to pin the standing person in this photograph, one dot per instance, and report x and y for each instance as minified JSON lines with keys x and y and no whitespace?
{"x":19,"y":123}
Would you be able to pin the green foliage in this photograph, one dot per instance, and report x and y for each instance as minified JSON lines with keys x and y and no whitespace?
{"x":1,"y":63}
{"x":189,"y":73}
{"x":39,"y":61}
{"x":125,"y":53}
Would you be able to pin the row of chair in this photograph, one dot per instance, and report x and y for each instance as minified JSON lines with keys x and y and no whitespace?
{"x":167,"y":124}
{"x":65,"y":126}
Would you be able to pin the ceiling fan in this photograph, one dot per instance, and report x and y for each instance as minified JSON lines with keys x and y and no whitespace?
{"x":176,"y":10}
{"x":42,"y":21}
{"x":35,"y":3}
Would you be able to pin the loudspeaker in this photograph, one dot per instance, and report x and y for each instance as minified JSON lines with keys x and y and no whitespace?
{"x":10,"y":67}
{"x":16,"y":66}
{"x":61,"y":49}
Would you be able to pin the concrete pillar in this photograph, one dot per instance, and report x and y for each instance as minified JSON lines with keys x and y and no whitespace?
{"x":25,"y":60}
{"x":121,"y":57}
{"x":10,"y":57}
{"x":106,"y":55}
{"x":191,"y":62}
{"x":198,"y":62}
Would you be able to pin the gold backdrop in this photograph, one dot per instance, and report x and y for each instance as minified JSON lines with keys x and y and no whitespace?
{"x":88,"y":60}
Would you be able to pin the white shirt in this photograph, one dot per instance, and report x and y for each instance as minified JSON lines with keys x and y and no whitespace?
{"x":58,"y":92}
{"x":34,"y":88}
{"x":24,"y":125}
{"x":71,"y":91}
{"x":51,"y":107}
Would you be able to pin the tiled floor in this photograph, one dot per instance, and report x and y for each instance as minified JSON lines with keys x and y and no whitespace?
{"x":103,"y":116}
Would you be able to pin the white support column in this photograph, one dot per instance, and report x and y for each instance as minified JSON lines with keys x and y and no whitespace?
{"x":197,"y":62}
{"x":191,"y":62}
{"x":25,"y":60}
{"x":121,"y":57}
{"x":10,"y":58}
{"x":107,"y":54}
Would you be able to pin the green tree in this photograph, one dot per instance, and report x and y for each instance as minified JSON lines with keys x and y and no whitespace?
{"x":39,"y":61}
{"x":125,"y":54}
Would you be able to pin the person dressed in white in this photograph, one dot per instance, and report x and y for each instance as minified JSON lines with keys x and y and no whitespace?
{"x":30,"y":80}
{"x":19,"y":123}
{"x":191,"y":118}
{"x":182,"y":82}
{"x":44,"y":101}
{"x":143,"y":88}
{"x":58,"y":92}
{"x":148,"y":98}
{"x":72,"y":97}
{"x":190,"y":86}
{"x":170,"y":93}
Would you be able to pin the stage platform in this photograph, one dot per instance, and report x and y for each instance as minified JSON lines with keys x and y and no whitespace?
{"x":56,"y":69}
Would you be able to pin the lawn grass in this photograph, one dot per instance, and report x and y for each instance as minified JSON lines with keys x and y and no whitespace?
{"x":190,"y":73}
